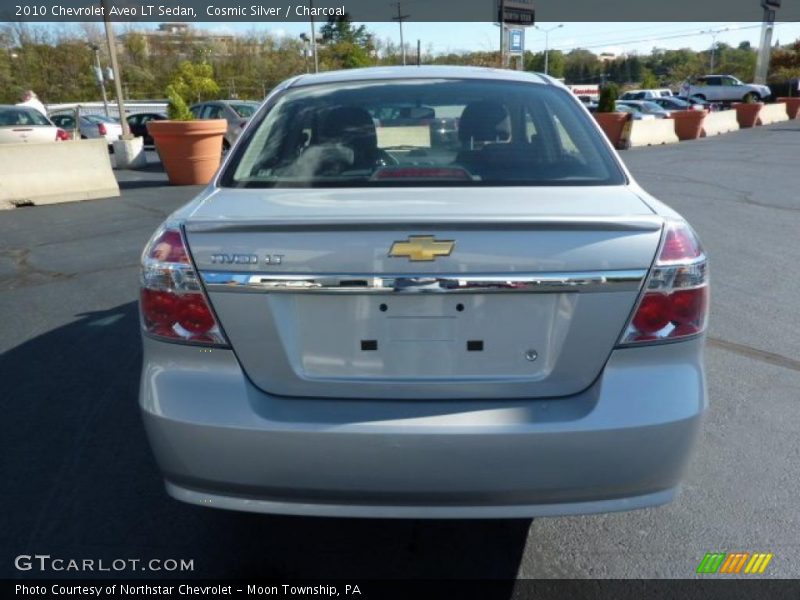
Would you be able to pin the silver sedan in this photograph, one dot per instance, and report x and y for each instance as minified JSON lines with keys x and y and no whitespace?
{"x":360,"y":318}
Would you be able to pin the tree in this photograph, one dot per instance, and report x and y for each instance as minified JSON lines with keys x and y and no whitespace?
{"x":649,"y":80}
{"x":581,"y":66}
{"x":785,"y":64}
{"x":535,"y":62}
{"x":346,"y":46}
{"x":341,"y":29}
{"x":740,"y":62}
{"x":194,"y":82}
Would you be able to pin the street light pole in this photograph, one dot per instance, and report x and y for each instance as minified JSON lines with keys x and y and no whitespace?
{"x":99,"y":75}
{"x":547,"y":45}
{"x":313,"y":36}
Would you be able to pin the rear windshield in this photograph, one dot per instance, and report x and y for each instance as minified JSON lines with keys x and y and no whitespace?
{"x":100,"y":119}
{"x":10,"y":117}
{"x":423,"y":132}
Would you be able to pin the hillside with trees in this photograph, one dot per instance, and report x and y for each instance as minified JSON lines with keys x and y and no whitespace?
{"x":58,"y":63}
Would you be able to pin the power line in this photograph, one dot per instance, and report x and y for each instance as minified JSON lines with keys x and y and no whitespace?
{"x":694,"y":33}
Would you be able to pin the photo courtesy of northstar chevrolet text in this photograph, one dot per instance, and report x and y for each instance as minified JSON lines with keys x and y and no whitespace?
{"x":365,"y":299}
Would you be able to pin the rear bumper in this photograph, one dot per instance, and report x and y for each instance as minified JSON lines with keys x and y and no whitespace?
{"x":621,"y":444}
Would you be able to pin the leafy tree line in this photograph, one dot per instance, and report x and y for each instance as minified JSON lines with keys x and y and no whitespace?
{"x":57,"y":63}
{"x":659,"y":68}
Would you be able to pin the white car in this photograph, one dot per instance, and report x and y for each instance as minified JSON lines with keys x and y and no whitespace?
{"x":724,"y":88}
{"x":91,"y":126}
{"x":645,"y":107}
{"x":638,"y":115}
{"x":646,"y":94}
{"x":23,"y":125}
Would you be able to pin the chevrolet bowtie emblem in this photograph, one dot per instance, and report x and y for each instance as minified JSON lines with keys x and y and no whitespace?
{"x":422,"y":248}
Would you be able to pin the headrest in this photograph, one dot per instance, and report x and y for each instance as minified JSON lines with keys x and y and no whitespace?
{"x":483,"y":122}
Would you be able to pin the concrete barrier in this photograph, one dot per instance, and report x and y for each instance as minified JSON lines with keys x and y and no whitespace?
{"x":49,"y":173}
{"x":723,"y":121}
{"x":653,"y":132}
{"x":772,"y":113}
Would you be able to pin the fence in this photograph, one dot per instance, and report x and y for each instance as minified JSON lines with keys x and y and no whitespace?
{"x":97,"y":108}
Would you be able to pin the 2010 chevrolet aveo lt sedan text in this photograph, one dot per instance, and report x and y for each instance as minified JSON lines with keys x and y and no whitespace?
{"x":423,"y":292}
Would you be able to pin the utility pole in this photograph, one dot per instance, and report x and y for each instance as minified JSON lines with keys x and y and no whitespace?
{"x":502,"y":22}
{"x":306,"y":46}
{"x":419,"y":52}
{"x":313,"y":36}
{"x":98,"y":69}
{"x":400,"y":18}
{"x":765,"y":47}
{"x":714,"y":33}
{"x":112,"y":52}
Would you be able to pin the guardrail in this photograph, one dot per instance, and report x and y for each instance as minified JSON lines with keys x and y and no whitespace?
{"x":54,"y":172}
{"x":772,"y":113}
{"x":98,"y":108}
{"x":653,"y":132}
{"x":723,"y":121}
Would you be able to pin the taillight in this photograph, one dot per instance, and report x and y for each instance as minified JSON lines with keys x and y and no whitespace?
{"x":101,"y":127}
{"x":61,"y":135}
{"x":675,"y":303}
{"x":172,"y":303}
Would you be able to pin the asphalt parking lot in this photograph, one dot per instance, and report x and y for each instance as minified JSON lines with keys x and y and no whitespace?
{"x":80,"y":481}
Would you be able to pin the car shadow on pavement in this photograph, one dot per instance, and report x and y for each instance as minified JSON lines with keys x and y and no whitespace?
{"x":85,"y":485}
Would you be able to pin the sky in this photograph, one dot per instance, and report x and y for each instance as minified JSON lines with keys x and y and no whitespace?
{"x":598,"y":37}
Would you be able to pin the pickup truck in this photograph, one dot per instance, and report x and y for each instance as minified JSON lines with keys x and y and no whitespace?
{"x":723,"y":88}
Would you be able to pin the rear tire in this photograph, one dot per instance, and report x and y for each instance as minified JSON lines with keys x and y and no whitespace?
{"x":225,"y":147}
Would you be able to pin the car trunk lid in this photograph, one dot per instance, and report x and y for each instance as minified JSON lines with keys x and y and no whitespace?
{"x":325,"y":293}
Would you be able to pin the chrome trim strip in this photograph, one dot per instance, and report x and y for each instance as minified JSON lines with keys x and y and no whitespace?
{"x":575,"y":282}
{"x":485,"y":223}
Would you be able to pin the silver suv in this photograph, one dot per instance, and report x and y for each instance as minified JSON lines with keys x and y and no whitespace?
{"x":724,"y":88}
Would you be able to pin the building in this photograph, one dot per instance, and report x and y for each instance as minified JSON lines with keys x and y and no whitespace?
{"x":180,"y":39}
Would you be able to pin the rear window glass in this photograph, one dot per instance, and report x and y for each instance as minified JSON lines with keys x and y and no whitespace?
{"x":100,"y":119}
{"x":423,"y":132}
{"x":245,"y":110}
{"x":21,"y":116}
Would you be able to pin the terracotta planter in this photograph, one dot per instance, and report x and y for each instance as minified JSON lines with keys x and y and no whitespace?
{"x":190,"y":150}
{"x":613,"y":125}
{"x":688,"y":123}
{"x":792,"y":106}
{"x":747,"y":113}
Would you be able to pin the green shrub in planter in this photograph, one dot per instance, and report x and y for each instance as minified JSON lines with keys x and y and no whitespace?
{"x":608,"y":98}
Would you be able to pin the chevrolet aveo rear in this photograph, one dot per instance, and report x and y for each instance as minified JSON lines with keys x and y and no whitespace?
{"x":423,"y":292}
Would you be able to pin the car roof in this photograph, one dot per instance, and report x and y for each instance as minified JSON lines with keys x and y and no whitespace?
{"x":229,"y":102}
{"x":15,"y":107}
{"x":422,"y":72}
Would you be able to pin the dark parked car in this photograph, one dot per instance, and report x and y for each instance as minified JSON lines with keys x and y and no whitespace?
{"x":138,"y":125}
{"x":673,"y":103}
